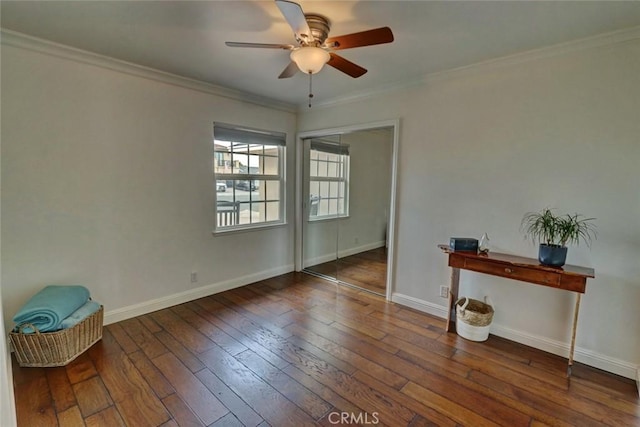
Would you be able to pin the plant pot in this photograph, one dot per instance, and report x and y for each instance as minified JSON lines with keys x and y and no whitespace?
{"x":552,"y":255}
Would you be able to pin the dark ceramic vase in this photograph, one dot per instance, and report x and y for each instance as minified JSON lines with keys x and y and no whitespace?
{"x":552,"y":255}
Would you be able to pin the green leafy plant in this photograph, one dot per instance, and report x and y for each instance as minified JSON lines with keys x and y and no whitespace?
{"x":557,"y":230}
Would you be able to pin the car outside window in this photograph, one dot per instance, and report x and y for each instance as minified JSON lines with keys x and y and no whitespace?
{"x":248,"y":167}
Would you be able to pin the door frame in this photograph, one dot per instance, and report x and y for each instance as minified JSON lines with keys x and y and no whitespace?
{"x":299,"y":210}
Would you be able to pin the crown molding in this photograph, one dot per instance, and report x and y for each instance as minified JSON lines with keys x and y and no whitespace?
{"x":27,"y":42}
{"x":592,"y":42}
{"x":16,"y":39}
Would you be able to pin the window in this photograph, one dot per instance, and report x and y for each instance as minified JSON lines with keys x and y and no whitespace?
{"x":328,"y":180}
{"x":248,"y":168}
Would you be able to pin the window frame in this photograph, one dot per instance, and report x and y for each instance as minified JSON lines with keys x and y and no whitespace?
{"x":242,"y":135}
{"x":342,"y":151}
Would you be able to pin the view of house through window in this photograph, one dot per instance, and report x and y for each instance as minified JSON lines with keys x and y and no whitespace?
{"x":328,"y":180}
{"x":248,"y":174}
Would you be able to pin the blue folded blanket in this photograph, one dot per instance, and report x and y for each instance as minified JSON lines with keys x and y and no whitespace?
{"x":80,"y":314}
{"x":46,"y":309}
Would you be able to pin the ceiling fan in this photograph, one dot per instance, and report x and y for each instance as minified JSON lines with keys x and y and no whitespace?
{"x":315,"y":47}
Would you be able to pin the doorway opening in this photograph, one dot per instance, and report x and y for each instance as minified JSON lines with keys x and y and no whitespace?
{"x":345,"y":218}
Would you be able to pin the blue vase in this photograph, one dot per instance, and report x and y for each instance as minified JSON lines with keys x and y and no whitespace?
{"x":552,"y":255}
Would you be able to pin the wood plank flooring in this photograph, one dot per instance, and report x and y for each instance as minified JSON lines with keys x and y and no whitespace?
{"x":366,"y":270}
{"x":296,"y":350}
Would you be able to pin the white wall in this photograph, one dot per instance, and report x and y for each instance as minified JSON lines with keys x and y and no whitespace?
{"x":107,"y":182}
{"x":7,"y":402}
{"x":371,"y":158}
{"x":480,"y":147}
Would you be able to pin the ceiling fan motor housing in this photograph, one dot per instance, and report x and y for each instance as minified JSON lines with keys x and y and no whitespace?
{"x":319,"y":26}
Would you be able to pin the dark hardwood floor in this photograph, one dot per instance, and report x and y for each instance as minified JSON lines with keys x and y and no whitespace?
{"x":296,"y":350}
{"x":366,"y":270}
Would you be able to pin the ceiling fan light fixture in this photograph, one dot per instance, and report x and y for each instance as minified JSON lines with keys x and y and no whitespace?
{"x":310,"y":59}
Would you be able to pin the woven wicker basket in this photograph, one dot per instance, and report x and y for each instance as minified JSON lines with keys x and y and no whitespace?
{"x":475,"y":313}
{"x":47,"y":349}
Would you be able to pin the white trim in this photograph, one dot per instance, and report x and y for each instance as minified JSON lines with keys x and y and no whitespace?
{"x":35,"y":44}
{"x":328,"y":217}
{"x":117,"y":315}
{"x":7,"y":398}
{"x":16,"y":39}
{"x":363,"y":248}
{"x":298,"y":211}
{"x":420,"y":305}
{"x":599,"y":40}
{"x":588,"y":357}
{"x":343,"y":253}
{"x":320,"y":259}
{"x":391,"y":225}
{"x":256,"y":226}
{"x":348,"y":129}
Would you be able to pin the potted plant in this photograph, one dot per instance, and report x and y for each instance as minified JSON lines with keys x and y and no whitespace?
{"x":554,"y":232}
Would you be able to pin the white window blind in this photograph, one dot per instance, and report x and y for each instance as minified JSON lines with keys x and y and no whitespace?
{"x":248,"y":167}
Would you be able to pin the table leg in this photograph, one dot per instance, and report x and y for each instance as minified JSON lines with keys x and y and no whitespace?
{"x":573,"y":333}
{"x":453,"y":295}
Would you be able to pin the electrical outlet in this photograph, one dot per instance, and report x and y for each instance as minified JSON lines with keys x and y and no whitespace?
{"x":194,"y":277}
{"x":444,"y":292}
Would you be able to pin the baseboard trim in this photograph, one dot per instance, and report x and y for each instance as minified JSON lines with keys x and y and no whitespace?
{"x":343,"y":253}
{"x":588,"y":357}
{"x":363,"y":248}
{"x":318,"y":260}
{"x":420,"y":305}
{"x":128,"y":312}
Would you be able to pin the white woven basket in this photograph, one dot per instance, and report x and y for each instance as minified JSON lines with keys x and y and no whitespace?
{"x":473,"y":319}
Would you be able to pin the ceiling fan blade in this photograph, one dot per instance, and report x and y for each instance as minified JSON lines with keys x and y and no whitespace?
{"x":364,"y":38}
{"x":294,"y":15}
{"x":346,"y":66}
{"x":290,"y":71}
{"x":260,"y":45}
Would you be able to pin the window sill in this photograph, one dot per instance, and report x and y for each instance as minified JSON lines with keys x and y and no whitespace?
{"x":327,"y":218}
{"x":248,"y":228}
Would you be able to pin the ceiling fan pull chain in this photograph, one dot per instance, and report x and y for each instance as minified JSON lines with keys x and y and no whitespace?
{"x":310,"y":92}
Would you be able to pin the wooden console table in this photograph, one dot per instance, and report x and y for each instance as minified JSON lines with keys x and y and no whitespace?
{"x":569,"y":277}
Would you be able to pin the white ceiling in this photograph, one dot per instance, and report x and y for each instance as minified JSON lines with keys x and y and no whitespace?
{"x":187,"y":38}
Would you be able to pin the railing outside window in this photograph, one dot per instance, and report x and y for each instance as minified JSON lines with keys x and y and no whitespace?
{"x":249,"y":176}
